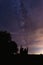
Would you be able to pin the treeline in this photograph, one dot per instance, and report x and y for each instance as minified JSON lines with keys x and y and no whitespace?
{"x":9,"y":47}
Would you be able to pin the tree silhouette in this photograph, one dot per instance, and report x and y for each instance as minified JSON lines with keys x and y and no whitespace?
{"x":7,"y":46}
{"x":23,"y":51}
{"x":12,"y":48}
{"x":26,"y":51}
{"x":5,"y":38}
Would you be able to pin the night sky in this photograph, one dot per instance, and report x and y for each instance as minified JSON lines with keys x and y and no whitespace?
{"x":24,"y":20}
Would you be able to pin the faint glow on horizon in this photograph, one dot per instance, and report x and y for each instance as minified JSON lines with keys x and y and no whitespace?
{"x":38,"y":43}
{"x":34,"y":40}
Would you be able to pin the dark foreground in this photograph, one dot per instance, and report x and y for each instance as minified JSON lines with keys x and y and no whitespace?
{"x":9,"y":47}
{"x":26,"y":59}
{"x":22,"y":60}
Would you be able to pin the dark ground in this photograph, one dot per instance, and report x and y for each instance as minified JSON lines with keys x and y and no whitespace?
{"x":22,"y":60}
{"x":27,"y":59}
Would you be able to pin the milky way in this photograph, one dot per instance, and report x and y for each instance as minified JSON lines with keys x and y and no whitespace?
{"x":24,"y":20}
